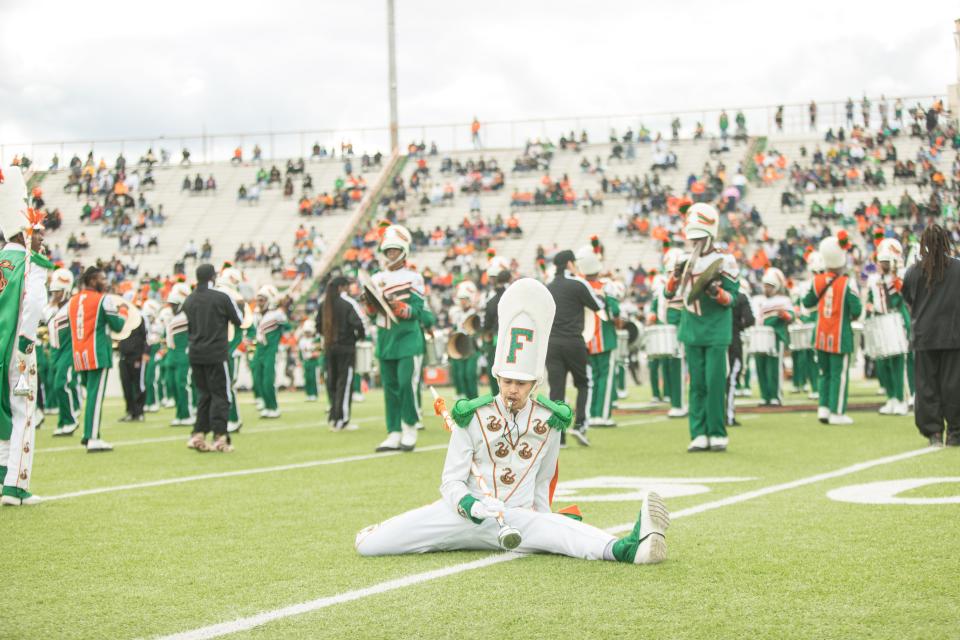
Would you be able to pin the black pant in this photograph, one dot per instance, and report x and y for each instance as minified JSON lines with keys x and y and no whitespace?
{"x":938,"y":392}
{"x":214,"y":394}
{"x":340,"y":368}
{"x":134,"y":391}
{"x":736,"y":365}
{"x":569,"y":355}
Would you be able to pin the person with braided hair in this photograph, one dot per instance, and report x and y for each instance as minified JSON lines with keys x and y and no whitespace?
{"x":931,"y":289}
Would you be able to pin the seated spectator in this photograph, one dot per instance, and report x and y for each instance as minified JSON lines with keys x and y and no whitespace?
{"x":198,"y":184}
{"x":211,"y":183}
{"x":206,"y":251}
{"x":190,"y":251}
{"x":237,"y":158}
{"x":288,"y":188}
{"x":187,"y":184}
{"x":185,"y":160}
{"x":257,"y":153}
{"x":274,"y":176}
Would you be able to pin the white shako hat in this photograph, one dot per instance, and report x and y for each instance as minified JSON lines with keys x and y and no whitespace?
{"x":775,"y":278}
{"x":466,"y":290}
{"x":150,"y":307}
{"x":834,"y":257}
{"x":525,"y":314}
{"x":13,"y":202}
{"x":178,"y":293}
{"x":229,"y":277}
{"x":271,"y":294}
{"x":496,"y":266}
{"x":702,"y":221}
{"x":61,"y":280}
{"x":815,"y":262}
{"x":396,"y":237}
{"x":890,"y":250}
{"x":588,"y":260}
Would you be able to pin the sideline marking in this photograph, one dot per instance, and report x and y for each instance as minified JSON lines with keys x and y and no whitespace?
{"x":238,"y":472}
{"x":245,"y":624}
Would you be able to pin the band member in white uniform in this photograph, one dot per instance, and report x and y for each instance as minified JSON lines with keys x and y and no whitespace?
{"x":502,"y":459}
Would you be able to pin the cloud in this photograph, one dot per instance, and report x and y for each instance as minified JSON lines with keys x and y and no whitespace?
{"x":182,"y":67}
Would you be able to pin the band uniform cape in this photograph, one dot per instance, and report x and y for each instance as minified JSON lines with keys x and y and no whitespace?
{"x":91,"y":313}
{"x":837,"y":306}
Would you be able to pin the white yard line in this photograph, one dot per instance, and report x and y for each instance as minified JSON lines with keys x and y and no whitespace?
{"x":239,"y":472}
{"x":245,"y":624}
{"x":185,"y":434}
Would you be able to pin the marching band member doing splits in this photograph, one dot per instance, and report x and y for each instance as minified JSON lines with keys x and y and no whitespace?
{"x":502,"y":459}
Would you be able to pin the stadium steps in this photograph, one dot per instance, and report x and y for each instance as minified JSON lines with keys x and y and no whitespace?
{"x":219,"y":217}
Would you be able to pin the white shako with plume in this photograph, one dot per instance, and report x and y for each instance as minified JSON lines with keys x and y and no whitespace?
{"x":515,"y":451}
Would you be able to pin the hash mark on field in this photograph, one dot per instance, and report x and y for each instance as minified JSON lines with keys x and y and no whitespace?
{"x":245,"y":624}
{"x":238,"y":472}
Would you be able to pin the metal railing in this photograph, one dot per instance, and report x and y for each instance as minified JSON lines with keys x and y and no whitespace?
{"x":494,"y":134}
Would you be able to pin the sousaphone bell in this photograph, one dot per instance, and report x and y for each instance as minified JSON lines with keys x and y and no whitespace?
{"x":130,"y":314}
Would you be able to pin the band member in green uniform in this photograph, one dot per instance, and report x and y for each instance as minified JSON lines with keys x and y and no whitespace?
{"x":706,"y":327}
{"x":837,"y":303}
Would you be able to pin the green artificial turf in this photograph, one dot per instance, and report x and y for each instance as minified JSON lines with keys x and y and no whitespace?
{"x":143,"y":562}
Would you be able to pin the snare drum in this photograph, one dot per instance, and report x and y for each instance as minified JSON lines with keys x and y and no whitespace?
{"x":760,"y":341}
{"x":888,"y":335}
{"x":623,"y":345}
{"x":364,"y":361}
{"x":661,"y":341}
{"x":869,"y":343}
{"x":801,"y":336}
{"x":430,"y":354}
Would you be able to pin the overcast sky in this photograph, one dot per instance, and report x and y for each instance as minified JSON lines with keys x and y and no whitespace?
{"x":113,"y":68}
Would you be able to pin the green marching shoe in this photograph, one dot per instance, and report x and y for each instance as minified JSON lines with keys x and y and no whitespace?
{"x":646,"y":543}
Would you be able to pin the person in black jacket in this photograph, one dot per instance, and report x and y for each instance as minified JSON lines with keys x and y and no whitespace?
{"x":931,"y":289}
{"x":498,"y":275}
{"x":134,"y":354}
{"x":340,"y":324}
{"x":742,"y":318}
{"x":567,"y":350}
{"x":208,"y":312}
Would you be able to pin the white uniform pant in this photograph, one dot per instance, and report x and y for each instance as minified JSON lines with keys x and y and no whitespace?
{"x":437,"y":527}
{"x":19,"y":458}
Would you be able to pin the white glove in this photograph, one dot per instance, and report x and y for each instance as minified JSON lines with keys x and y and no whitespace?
{"x":487,"y":507}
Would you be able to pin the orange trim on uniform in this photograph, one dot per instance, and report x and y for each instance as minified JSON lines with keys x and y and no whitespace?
{"x":830,"y":310}
{"x":83,"y":328}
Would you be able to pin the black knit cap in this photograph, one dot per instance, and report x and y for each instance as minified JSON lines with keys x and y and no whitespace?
{"x":562,"y":258}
